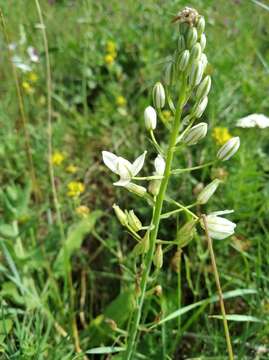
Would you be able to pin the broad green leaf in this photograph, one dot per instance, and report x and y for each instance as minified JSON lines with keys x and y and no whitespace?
{"x":75,"y":237}
{"x":211,"y":300}
{"x":236,"y":317}
{"x":5,"y":327}
{"x":7,"y":231}
{"x":105,"y":350}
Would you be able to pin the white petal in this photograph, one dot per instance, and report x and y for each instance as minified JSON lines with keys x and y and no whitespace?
{"x":110,"y":160}
{"x":124,"y":169}
{"x":222,"y":212}
{"x":159,"y":164}
{"x":138,"y":164}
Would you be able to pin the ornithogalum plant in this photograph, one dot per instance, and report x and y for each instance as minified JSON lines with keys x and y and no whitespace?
{"x":185,"y":80}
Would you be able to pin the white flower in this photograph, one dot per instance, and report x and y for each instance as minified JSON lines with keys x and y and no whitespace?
{"x":229,"y":149}
{"x":150,"y":117}
{"x":253,"y":120}
{"x":219,"y":228}
{"x":31,"y":51}
{"x":123,"y":167}
{"x":159,"y":165}
{"x":17,"y":61}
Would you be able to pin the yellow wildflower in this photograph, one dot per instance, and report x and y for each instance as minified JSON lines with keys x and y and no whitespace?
{"x":75,"y":188}
{"x":109,"y":59}
{"x":82,"y":210}
{"x":111,"y":47}
{"x":32,"y":76}
{"x":120,"y":100}
{"x":57,"y":158}
{"x":221,"y":135}
{"x":27,"y":87}
{"x":72,"y":169}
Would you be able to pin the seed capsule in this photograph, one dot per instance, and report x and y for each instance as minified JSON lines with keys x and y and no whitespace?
{"x":208,"y":191}
{"x":229,"y":149}
{"x":133,"y":221}
{"x":158,"y":257}
{"x":158,"y":95}
{"x":121,"y":216}
{"x":150,"y":117}
{"x":203,"y":88}
{"x":195,"y":134}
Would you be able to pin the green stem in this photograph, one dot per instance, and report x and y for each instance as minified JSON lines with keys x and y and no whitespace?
{"x":181,"y":208}
{"x":179,"y":171}
{"x":217,"y":280}
{"x":146,"y":266}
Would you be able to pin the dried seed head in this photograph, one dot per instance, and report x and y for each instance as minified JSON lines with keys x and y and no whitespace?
{"x":187,"y":15}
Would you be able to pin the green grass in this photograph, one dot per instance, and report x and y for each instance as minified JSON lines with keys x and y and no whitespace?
{"x":46,"y":287}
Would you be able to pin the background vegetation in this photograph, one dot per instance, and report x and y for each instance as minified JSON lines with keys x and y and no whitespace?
{"x":105,"y":57}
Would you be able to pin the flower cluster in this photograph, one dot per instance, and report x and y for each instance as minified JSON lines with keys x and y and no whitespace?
{"x":221,"y":135}
{"x":111,"y":52}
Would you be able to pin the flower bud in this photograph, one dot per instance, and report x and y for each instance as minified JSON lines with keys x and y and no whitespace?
{"x":181,"y":43}
{"x":192,"y":37}
{"x":150,"y":117}
{"x":183,"y":60}
{"x":133,"y":221}
{"x":195,"y":53}
{"x":196,"y":74}
{"x":186,"y":233}
{"x":200,"y":26}
{"x":199,"y":108}
{"x":229,"y":149}
{"x":208,"y":191}
{"x":159,"y":165}
{"x":121,"y":216}
{"x":203,"y":88}
{"x":218,"y":228}
{"x":136,"y":189}
{"x":169,"y":74}
{"x":154,"y":187}
{"x":158,"y":257}
{"x":203,"y":41}
{"x":158,"y":95}
{"x":195,"y":134}
{"x":204,"y":61}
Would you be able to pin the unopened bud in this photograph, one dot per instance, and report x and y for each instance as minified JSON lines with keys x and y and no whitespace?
{"x":158,"y":257}
{"x":150,"y":117}
{"x":169,"y":74}
{"x":229,"y":149}
{"x":199,"y":108}
{"x":133,"y":221}
{"x":183,"y":60}
{"x":136,"y":189}
{"x":203,"y":41}
{"x":158,"y":290}
{"x":196,"y":74}
{"x":204,"y":61}
{"x":195,"y":134}
{"x":196,"y":52}
{"x":203,"y":88}
{"x":121,"y":216}
{"x":208,"y":191}
{"x":181,"y":43}
{"x":158,"y":95}
{"x":200,"y":26}
{"x":154,"y":187}
{"x":185,"y":233}
{"x":192,"y":37}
